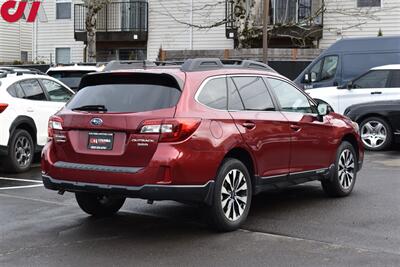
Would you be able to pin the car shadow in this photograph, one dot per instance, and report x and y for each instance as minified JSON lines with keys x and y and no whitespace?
{"x":178,"y":219}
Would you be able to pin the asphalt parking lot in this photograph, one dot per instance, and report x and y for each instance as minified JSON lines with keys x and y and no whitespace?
{"x":298,"y":226}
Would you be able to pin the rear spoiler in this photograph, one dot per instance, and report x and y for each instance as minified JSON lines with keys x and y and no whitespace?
{"x":99,"y":78}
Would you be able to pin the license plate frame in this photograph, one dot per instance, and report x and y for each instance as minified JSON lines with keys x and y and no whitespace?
{"x":100,"y":141}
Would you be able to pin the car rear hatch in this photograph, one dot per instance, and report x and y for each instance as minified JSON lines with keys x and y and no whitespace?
{"x":103,"y":124}
{"x":71,"y":78}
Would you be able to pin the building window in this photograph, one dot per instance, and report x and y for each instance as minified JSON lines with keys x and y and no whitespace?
{"x":292,"y":11}
{"x":24,"y":56}
{"x":304,"y":9}
{"x":63,"y":9}
{"x":63,"y":55}
{"x":368,"y":3}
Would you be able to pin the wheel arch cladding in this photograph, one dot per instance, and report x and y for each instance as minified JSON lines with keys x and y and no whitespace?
{"x":353,"y":141}
{"x":24,"y":123}
{"x":245,"y":157}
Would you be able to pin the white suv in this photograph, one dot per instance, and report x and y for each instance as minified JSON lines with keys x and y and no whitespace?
{"x":27,"y":99}
{"x":380,"y":83}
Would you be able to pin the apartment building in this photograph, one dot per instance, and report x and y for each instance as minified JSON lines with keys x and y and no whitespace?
{"x":122,"y":30}
{"x":300,"y":23}
{"x":170,"y":20}
{"x":15,"y":40}
{"x":359,"y":18}
{"x":53,"y":38}
{"x":137,"y":29}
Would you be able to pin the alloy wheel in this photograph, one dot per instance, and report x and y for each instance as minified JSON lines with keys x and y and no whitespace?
{"x":373,"y":134}
{"x":23,"y":151}
{"x":346,"y":169}
{"x":234,"y":194}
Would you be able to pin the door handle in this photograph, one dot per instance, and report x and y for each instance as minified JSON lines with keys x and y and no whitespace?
{"x":295,"y":127}
{"x":376,"y":93}
{"x":249,"y":125}
{"x":29,"y":109}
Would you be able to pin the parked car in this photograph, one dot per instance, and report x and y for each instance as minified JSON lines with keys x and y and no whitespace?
{"x":380,"y":83}
{"x":379,"y":123}
{"x":27,"y":99}
{"x":349,"y":58}
{"x":71,"y":74}
{"x":203,"y":132}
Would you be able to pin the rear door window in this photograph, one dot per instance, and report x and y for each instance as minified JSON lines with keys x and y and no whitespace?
{"x":214,"y":94}
{"x":234,"y":100}
{"x":254,"y":93}
{"x":127,"y":93}
{"x":395,"y":80}
{"x":15,"y":90}
{"x":33,"y":90}
{"x":70,"y":78}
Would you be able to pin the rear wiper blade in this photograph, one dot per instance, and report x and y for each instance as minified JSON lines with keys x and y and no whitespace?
{"x":92,"y":108}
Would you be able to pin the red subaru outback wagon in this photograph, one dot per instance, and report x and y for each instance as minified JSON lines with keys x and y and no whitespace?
{"x":207,"y":132}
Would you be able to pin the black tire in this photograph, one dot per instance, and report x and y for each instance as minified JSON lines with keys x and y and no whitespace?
{"x":386,"y":128}
{"x":339,"y":185}
{"x":219,"y":220}
{"x":21,"y":143}
{"x":99,"y":205}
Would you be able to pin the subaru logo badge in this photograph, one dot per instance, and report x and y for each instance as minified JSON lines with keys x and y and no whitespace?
{"x":96,"y":121}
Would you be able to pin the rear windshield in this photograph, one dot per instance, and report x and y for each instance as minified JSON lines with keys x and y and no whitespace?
{"x":70,"y":78}
{"x":127,"y":97}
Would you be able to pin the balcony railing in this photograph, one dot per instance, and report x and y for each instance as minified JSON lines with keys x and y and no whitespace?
{"x":128,"y":16}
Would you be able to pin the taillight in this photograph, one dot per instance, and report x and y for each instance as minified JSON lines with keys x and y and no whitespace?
{"x":3,"y":107}
{"x":55,"y":130}
{"x":171,"y":130}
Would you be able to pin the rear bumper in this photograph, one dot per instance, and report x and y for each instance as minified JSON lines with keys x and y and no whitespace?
{"x":190,"y":193}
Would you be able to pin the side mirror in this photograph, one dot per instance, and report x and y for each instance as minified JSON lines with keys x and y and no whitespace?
{"x":323,"y":109}
{"x":313,"y":77}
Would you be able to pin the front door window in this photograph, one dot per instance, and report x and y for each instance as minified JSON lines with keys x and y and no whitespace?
{"x":373,"y":79}
{"x":290,"y":98}
{"x":324,"y":69}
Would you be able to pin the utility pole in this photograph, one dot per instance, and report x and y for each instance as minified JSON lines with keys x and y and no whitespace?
{"x":265,"y":30}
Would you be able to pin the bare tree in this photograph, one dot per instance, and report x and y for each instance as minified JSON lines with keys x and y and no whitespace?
{"x":92,"y":9}
{"x":247,"y":19}
{"x":244,"y":15}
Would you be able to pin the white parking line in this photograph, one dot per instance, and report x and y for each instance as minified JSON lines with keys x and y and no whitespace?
{"x":19,"y":187}
{"x":20,"y":180}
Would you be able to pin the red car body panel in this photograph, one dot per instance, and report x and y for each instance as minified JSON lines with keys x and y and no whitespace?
{"x":269,"y":140}
{"x":279,"y":143}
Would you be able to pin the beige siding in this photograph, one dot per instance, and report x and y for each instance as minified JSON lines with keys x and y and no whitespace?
{"x":167,"y":28}
{"x":56,"y":34}
{"x":26,"y":38}
{"x":337,"y":25}
{"x":14,"y":38}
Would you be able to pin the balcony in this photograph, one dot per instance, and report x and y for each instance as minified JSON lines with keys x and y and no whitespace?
{"x":288,"y":18}
{"x":117,"y":22}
